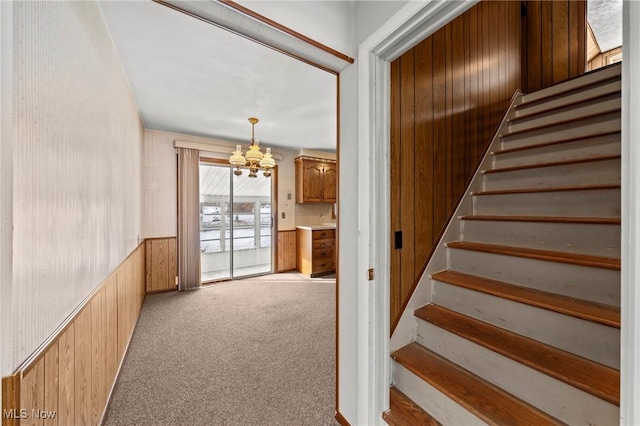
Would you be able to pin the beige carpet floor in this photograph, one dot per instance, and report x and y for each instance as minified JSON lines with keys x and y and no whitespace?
{"x":259,"y":351}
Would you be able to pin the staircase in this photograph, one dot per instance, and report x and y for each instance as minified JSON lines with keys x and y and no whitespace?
{"x":522,"y":325}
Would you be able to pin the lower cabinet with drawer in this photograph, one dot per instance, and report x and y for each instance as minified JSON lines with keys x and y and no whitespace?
{"x":316,"y":251}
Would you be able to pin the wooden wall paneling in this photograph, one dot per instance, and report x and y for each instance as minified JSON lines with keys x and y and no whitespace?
{"x":472,"y":75}
{"x":111,"y":357}
{"x":546,"y":56}
{"x":286,"y":250}
{"x":458,"y":140}
{"x":578,"y":12}
{"x":122,"y":317}
{"x":466,"y":110}
{"x":161,"y":264}
{"x":494,"y":68}
{"x":556,"y":44}
{"x":82,"y":370}
{"x":485,"y":31}
{"x":11,"y":398}
{"x":51,"y":384}
{"x":561,"y":33}
{"x":448,"y":118}
{"x":407,"y":170}
{"x":395,"y":150}
{"x":32,"y":394}
{"x":534,"y":45}
{"x":424,"y":150}
{"x":443,"y":117}
{"x":74,"y":374}
{"x":66,"y":377}
{"x":439,"y":130}
{"x":98,"y":366}
{"x":502,"y":55}
{"x":576,"y":24}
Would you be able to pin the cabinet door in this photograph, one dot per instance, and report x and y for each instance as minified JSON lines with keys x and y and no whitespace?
{"x":313,"y":182}
{"x":330,"y":183}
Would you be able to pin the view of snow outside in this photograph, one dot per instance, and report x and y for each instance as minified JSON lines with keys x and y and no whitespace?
{"x":244,"y":237}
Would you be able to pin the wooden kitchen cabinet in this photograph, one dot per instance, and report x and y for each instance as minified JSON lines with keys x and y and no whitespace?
{"x":316,"y":251}
{"x":316,"y":180}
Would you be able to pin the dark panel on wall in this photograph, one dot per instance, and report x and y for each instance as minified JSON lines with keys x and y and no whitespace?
{"x":448,"y":95}
{"x":556,"y":42}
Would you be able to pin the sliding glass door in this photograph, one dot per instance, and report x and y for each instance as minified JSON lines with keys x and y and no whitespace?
{"x":235,"y":223}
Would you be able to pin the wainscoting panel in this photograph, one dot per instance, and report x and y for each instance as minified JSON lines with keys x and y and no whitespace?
{"x":448,"y":94}
{"x":286,"y":250}
{"x":69,"y":379}
{"x":161,"y":264}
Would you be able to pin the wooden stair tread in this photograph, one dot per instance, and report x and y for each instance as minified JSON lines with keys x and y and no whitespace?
{"x":573,"y":89}
{"x":596,"y":379}
{"x":583,"y":309}
{"x":404,"y":412}
{"x":585,"y":118}
{"x":553,"y":163}
{"x":586,"y":101}
{"x":557,"y":142}
{"x":554,"y":189}
{"x":551,"y":219}
{"x":553,"y":256}
{"x":485,"y":400}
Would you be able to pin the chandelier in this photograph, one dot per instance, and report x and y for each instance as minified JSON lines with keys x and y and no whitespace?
{"x":255,"y":158}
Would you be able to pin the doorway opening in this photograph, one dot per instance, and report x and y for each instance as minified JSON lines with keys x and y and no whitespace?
{"x":236,"y":224}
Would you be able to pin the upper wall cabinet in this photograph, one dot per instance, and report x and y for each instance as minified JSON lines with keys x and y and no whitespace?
{"x":315,"y":180}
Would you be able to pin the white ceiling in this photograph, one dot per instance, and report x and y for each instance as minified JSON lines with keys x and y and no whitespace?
{"x":191,"y":77}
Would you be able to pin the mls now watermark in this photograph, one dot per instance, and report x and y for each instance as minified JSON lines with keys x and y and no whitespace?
{"x":23,"y":414}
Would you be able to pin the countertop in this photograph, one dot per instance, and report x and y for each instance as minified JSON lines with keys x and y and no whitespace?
{"x":316,"y":227}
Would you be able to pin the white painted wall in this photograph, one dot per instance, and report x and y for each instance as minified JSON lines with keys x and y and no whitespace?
{"x":77,"y":144}
{"x":630,"y":295}
{"x":6,"y":184}
{"x":370,"y":15}
{"x":160,"y":183}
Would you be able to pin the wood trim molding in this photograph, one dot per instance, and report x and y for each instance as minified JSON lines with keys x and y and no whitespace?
{"x":340,"y":419}
{"x":260,"y":38}
{"x":287,"y":30}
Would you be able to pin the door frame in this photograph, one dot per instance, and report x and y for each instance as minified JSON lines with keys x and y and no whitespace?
{"x":204,"y":158}
{"x":414,"y":22}
{"x":410,"y":25}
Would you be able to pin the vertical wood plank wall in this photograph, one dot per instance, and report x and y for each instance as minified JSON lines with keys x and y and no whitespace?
{"x":448,"y":95}
{"x":161,"y":264}
{"x":74,"y":375}
{"x":286,"y":250}
{"x":556,"y":42}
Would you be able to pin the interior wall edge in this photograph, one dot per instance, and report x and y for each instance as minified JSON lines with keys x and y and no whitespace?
{"x":88,"y":349}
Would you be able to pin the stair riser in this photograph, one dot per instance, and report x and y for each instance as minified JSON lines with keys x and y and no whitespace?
{"x":557,"y":398}
{"x":601,"y":172}
{"x":593,"y":239}
{"x":596,"y":342}
{"x":602,"y":89}
{"x":610,"y":103}
{"x":586,"y":148}
{"x":582,"y":282}
{"x":574,"y":84}
{"x":430,"y":399}
{"x":579,"y":203}
{"x":583,"y":128}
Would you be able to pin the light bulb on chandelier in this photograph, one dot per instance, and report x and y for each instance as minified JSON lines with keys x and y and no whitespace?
{"x":254,"y":157}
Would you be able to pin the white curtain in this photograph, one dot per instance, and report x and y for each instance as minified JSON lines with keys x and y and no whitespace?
{"x":188,"y":219}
